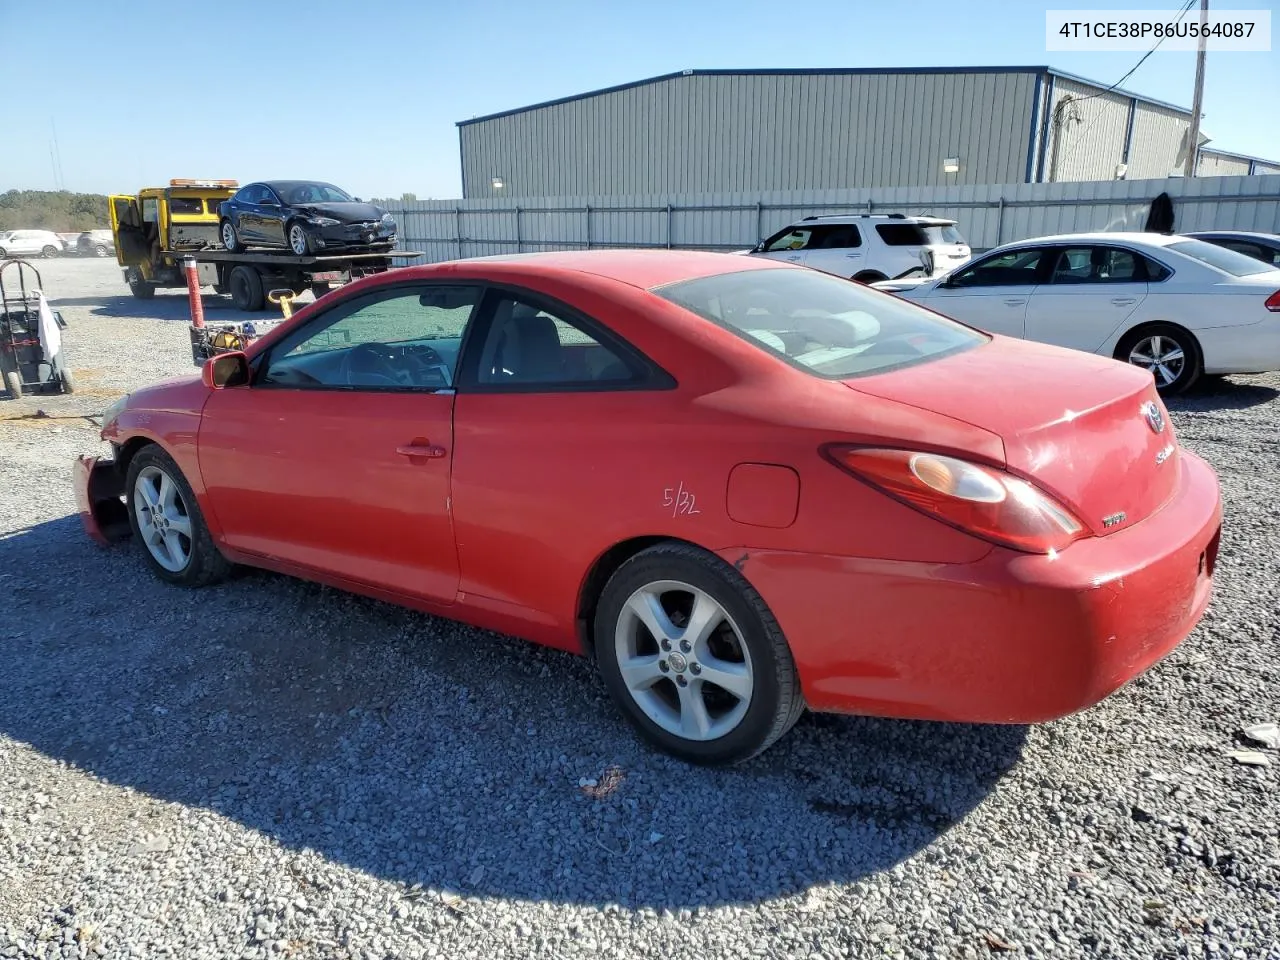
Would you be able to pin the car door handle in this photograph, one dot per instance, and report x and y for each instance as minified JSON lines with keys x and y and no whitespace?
{"x":853,"y":254}
{"x":420,"y":448}
{"x":793,"y":258}
{"x":1015,"y":301}
{"x":1123,"y":301}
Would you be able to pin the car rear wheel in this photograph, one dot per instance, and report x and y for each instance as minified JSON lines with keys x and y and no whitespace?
{"x":1169,"y":353}
{"x":101,"y":251}
{"x":230,"y":239}
{"x":166,"y":520}
{"x":693,"y":657}
{"x":49,"y":252}
{"x":299,"y":239}
{"x":4,"y":255}
{"x":246,"y":288}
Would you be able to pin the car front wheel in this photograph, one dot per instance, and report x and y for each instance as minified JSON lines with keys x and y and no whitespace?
{"x":49,"y":252}
{"x":166,"y":520}
{"x":299,"y":239}
{"x":1170,"y":354}
{"x":693,"y":657}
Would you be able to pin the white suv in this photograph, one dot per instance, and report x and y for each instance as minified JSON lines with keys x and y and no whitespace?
{"x":869,"y":247}
{"x":19,"y":243}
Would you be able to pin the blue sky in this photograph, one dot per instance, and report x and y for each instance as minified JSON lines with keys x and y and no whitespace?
{"x":366,"y":94}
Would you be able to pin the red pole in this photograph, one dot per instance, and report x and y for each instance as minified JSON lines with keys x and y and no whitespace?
{"x":193,"y":291}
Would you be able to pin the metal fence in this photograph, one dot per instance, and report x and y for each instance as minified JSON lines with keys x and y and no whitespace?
{"x":988,"y":214}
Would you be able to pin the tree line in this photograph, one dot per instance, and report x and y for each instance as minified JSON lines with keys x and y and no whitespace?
{"x":59,"y":210}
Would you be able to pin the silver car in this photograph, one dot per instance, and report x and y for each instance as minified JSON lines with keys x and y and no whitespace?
{"x":30,"y":243}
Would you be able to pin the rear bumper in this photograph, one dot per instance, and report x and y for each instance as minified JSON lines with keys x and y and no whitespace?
{"x":1246,"y":349}
{"x":99,"y":488}
{"x":1011,"y":638}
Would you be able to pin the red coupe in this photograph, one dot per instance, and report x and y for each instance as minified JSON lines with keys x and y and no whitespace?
{"x":743,"y":487}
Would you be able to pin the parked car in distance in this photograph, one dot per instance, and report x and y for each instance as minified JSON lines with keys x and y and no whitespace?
{"x":743,"y":488}
{"x":304,"y":217}
{"x":30,"y":243}
{"x":868,"y":247}
{"x":1260,"y":246}
{"x":1173,"y":305}
{"x":96,"y":243}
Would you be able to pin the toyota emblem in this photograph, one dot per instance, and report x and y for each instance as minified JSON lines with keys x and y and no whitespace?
{"x":1154,"y":418}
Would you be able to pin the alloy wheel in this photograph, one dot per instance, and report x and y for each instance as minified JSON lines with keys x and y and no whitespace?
{"x":298,"y":240}
{"x":1163,"y":356}
{"x":228,"y":236}
{"x":684,"y":661}
{"x":163,"y":519}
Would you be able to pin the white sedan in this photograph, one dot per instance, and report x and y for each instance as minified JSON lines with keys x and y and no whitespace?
{"x":1176,"y":306}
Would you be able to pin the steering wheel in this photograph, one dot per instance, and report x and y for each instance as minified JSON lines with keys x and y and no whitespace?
{"x":371,"y":364}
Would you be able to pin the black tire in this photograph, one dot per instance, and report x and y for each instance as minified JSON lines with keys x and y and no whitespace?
{"x":49,"y":252}
{"x":1192,"y":365}
{"x":246,"y":288}
{"x":230,"y":237}
{"x":142,"y":289}
{"x":775,"y":701}
{"x":292,"y":241}
{"x":205,"y":565}
{"x":101,"y":251}
{"x":4,"y":254}
{"x":13,"y":383}
{"x":870,"y":276}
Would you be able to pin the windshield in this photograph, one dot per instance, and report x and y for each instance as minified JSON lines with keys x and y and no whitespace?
{"x":1228,"y":261}
{"x":300,"y":192}
{"x":822,"y":324}
{"x":944,"y":233}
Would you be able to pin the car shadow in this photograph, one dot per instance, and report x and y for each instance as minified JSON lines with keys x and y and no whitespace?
{"x":1220,"y":393}
{"x":172,"y":305}
{"x":428,"y":753}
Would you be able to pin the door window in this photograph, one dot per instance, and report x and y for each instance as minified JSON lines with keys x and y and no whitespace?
{"x":789,"y":239}
{"x":1099,"y":265}
{"x":529,"y":345}
{"x":398,"y":339}
{"x":1015,"y":268}
{"x":835,"y":237}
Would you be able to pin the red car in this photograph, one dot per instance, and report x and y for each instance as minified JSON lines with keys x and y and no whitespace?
{"x":744,"y":487}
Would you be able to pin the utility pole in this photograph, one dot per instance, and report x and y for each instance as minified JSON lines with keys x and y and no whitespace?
{"x":1193,"y":143}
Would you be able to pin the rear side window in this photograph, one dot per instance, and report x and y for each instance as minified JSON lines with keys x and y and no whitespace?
{"x":1099,"y":265}
{"x":821,"y":324}
{"x":1220,"y":258}
{"x":835,"y":237}
{"x":902,"y":234}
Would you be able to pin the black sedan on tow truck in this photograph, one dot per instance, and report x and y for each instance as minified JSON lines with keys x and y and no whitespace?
{"x":305,"y":217}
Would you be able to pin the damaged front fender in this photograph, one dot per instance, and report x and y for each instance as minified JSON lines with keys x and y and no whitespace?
{"x":99,"y":486}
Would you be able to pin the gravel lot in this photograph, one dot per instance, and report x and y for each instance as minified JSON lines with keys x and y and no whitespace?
{"x":272,"y":768}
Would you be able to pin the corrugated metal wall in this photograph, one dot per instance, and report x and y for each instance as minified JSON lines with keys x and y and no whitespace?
{"x":1221,"y":165}
{"x":1087,"y":132}
{"x":739,"y":132}
{"x":988,"y":214}
{"x":1159,"y":141}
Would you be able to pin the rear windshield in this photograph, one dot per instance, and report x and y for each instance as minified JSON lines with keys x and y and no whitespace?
{"x":185,"y":205}
{"x":822,"y":324}
{"x":1229,"y":261}
{"x":917,"y":235}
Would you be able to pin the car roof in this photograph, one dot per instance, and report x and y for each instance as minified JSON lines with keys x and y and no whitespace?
{"x":640,"y":268}
{"x":1237,"y":234}
{"x":1102,"y":236}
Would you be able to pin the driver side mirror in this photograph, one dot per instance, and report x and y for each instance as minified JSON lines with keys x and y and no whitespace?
{"x":225,"y":370}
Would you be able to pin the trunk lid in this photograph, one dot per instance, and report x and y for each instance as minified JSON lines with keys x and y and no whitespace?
{"x":1075,"y":424}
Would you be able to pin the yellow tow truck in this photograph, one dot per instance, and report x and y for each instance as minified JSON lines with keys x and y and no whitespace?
{"x":157,"y":227}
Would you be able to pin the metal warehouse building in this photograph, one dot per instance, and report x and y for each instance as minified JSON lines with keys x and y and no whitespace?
{"x":748,"y":130}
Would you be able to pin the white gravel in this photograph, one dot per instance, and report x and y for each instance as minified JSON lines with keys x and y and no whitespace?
{"x":272,"y":768}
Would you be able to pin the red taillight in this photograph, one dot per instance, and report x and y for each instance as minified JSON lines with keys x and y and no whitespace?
{"x":1273,"y":302}
{"x":985,"y":502}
